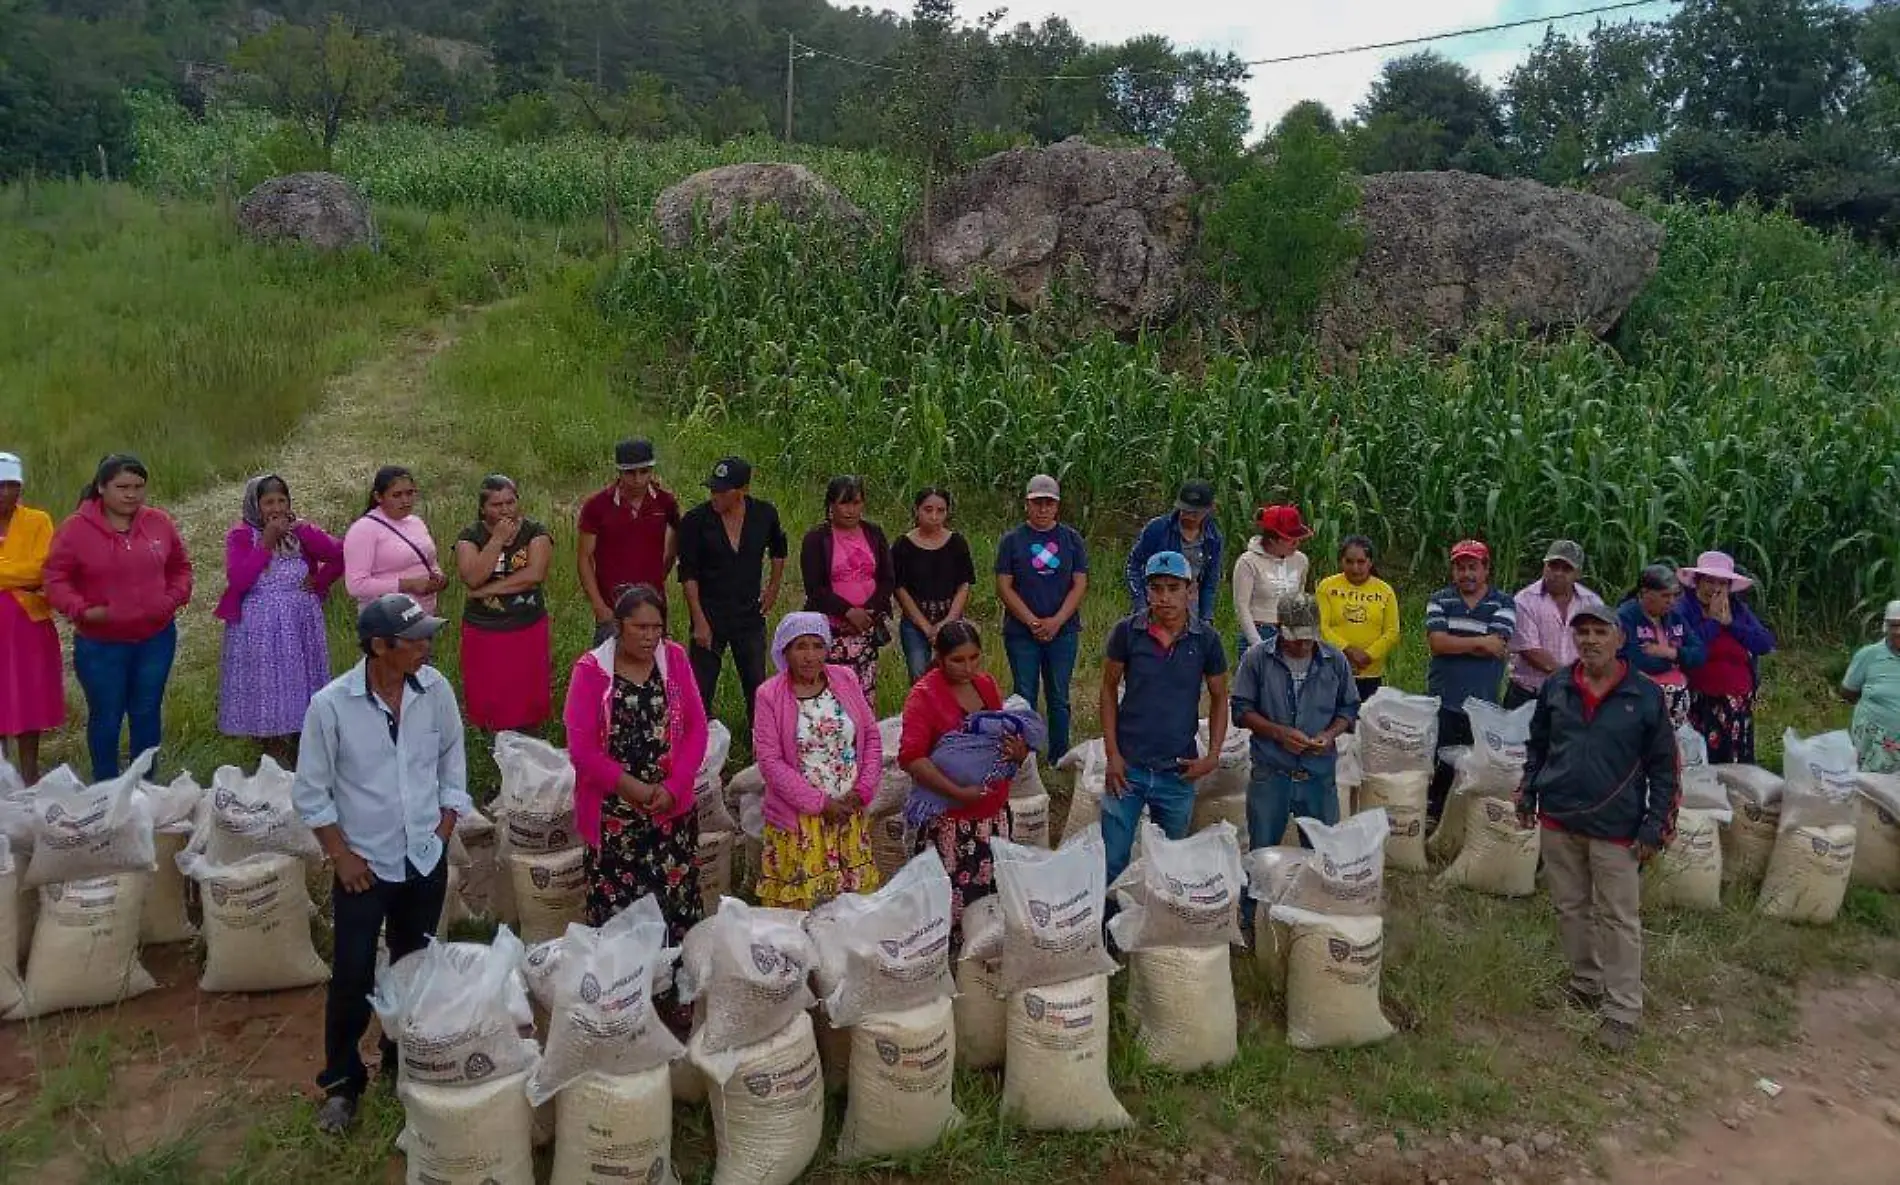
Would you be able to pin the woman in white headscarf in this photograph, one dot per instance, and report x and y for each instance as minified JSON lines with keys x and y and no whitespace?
{"x":817,"y":746}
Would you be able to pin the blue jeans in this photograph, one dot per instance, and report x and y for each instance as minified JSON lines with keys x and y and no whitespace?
{"x":1267,"y":634}
{"x":123,"y":679}
{"x":1274,"y":798}
{"x":916,"y":649}
{"x":1050,"y":664}
{"x":1169,"y":799}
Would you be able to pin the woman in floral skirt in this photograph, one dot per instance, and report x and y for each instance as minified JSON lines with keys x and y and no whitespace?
{"x":846,"y":565}
{"x":277,"y":569}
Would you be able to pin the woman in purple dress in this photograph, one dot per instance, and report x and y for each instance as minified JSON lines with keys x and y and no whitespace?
{"x":278,"y":568}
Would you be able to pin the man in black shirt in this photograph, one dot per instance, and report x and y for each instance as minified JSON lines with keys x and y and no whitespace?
{"x":723,"y":545}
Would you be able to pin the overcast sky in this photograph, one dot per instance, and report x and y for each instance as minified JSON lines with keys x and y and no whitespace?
{"x":1278,"y":27}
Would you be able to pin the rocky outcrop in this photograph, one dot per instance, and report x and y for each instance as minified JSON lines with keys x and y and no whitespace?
{"x":718,"y":195}
{"x":320,"y":210}
{"x":1445,"y":252}
{"x":1122,"y":218}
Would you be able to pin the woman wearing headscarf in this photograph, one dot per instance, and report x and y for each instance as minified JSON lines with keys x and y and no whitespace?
{"x":1872,"y":685}
{"x":846,"y":565}
{"x":507,"y":651}
{"x":1657,"y":641}
{"x":816,"y":741}
{"x":32,"y":686}
{"x":118,"y":571}
{"x":277,"y":570}
{"x":1722,"y":689}
{"x":388,"y":548}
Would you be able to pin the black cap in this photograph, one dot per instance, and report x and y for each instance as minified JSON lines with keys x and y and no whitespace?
{"x":1195,"y":495}
{"x":634,"y":454}
{"x":731,"y":473}
{"x":395,"y":615}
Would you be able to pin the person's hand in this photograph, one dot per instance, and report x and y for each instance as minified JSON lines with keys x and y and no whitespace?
{"x":702,"y":634}
{"x":1320,"y":744}
{"x":1645,"y":852}
{"x":1042,"y":629}
{"x":839,"y":810}
{"x":446,"y":827}
{"x":436,"y":582}
{"x":1720,"y":610}
{"x":1115,"y":780}
{"x":95,"y":614}
{"x":505,"y":532}
{"x":970,"y":795}
{"x":1197,"y":768}
{"x":930,"y":629}
{"x":1659,"y":650}
{"x":636,"y":793}
{"x":1496,"y":646}
{"x":1015,"y":749}
{"x":1526,"y":818}
{"x":275,"y":528}
{"x":416,"y":586}
{"x":352,"y":872}
{"x":662,"y":801}
{"x":858,"y":620}
{"x":768,"y":600}
{"x":1294,"y":741}
{"x":1359,"y":659}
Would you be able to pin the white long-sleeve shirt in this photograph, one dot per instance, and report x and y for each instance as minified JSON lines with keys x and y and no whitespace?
{"x":1260,"y":582}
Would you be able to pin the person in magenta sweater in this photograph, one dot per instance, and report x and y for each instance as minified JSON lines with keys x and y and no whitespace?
{"x":118,"y":571}
{"x":636,"y":736}
{"x":1722,"y":690}
{"x":816,"y":741}
{"x":389,"y":549}
{"x":277,"y":569}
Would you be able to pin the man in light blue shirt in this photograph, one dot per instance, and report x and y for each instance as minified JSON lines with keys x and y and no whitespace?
{"x":381,"y":778}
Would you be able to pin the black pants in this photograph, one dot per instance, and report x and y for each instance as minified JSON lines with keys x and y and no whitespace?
{"x":410,"y":910}
{"x":1516,"y":697}
{"x":1454,"y":728}
{"x":1366,"y":687}
{"x":747,"y":643}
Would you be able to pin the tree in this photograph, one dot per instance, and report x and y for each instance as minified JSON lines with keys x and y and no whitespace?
{"x":731,"y":115}
{"x":62,"y":102}
{"x":1209,"y":135}
{"x":1311,"y":114}
{"x":647,"y":110}
{"x":1421,"y":113}
{"x":1761,"y":67}
{"x":319,"y":77}
{"x":1577,"y":105}
{"x":524,"y":41}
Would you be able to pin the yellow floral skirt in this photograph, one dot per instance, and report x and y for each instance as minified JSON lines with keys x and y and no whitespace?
{"x":808,"y":867}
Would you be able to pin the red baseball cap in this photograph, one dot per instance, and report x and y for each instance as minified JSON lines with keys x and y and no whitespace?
{"x":1470,"y":549}
{"x":1284,"y":521}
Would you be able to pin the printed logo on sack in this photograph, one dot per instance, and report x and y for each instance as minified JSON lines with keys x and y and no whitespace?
{"x":219,"y":894}
{"x":1821,"y":846}
{"x":590,"y":989}
{"x":1339,"y":949}
{"x":1327,"y":866}
{"x":759,"y":1085}
{"x":54,"y":891}
{"x":478,"y":1066}
{"x":222,"y":799}
{"x":1886,"y":819}
{"x":656,"y":1171}
{"x":1494,"y":810}
{"x":1039,"y":912}
{"x":891,"y":947}
{"x":540,"y":877}
{"x":1753,"y":812}
{"x":557,"y":838}
{"x":1412,"y":828}
{"x":765,"y":958}
{"x":887,"y":1051}
{"x":1033,"y":1007}
{"x":1175,"y":887}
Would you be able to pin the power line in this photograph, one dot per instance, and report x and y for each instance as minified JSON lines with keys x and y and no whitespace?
{"x":1311,"y":55}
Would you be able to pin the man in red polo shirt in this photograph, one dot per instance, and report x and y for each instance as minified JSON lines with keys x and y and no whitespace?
{"x":1600,"y":778}
{"x":627,"y":534}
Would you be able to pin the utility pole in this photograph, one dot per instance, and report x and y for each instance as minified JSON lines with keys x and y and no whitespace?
{"x":791,"y":60}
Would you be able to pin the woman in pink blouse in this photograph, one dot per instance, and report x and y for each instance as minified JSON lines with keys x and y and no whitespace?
{"x":846,"y":566}
{"x":389,"y":549}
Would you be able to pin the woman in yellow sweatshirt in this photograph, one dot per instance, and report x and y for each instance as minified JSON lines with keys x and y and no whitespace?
{"x":1359,"y":614}
{"x":32,"y":685}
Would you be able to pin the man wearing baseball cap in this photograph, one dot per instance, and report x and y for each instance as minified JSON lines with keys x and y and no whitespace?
{"x":1872,"y":685}
{"x":1158,"y":660}
{"x":1042,"y":574}
{"x":1542,"y":643}
{"x":1191,"y":531}
{"x":628,"y":533}
{"x":1468,"y":627}
{"x":1600,"y":781}
{"x":725,"y":544}
{"x":381,"y":779}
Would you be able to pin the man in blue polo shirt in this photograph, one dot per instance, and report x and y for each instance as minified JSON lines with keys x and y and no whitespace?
{"x":1157,"y":661}
{"x":1468,"y":626}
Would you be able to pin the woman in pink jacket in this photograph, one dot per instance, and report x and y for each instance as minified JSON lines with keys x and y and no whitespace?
{"x":636,"y":735}
{"x":817,"y":746}
{"x":118,"y":571}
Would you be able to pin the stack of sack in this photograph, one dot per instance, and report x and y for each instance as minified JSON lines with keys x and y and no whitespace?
{"x":539,"y":883}
{"x":1754,"y":796}
{"x":1814,"y":846}
{"x":1688,"y":873}
{"x":1088,"y":761}
{"x":1478,"y":832}
{"x":1877,"y":846}
{"x":1321,"y":938}
{"x":718,"y":830}
{"x":1180,"y":912}
{"x":885,"y":959}
{"x":1031,"y":819}
{"x":1348,"y":774}
{"x":746,"y":791}
{"x":982,"y":1009}
{"x":747,"y":973}
{"x":455,"y":1011}
{"x":248,"y":855}
{"x":1055,"y":970}
{"x":166,"y":918}
{"x":1398,"y":750}
{"x":1221,"y":797}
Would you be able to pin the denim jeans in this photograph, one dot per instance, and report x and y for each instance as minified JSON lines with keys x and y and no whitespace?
{"x":1169,"y":800}
{"x":916,"y":649}
{"x":123,"y":679}
{"x":1273,"y":799}
{"x":1049,"y":665}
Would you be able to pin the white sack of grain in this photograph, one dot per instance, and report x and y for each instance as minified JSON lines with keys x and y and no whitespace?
{"x":1348,"y":771}
{"x":1055,"y":1069}
{"x":1498,"y":856}
{"x":709,"y":791}
{"x":82,"y":831}
{"x":713,"y":861}
{"x":257,"y":925}
{"x":1332,"y":986}
{"x":1346,"y":873}
{"x":1688,"y":873}
{"x":1877,"y":846}
{"x":1754,"y":796}
{"x":1213,"y":809}
{"x":1053,"y":905}
{"x":10,"y":986}
{"x":890,"y":950}
{"x":1273,"y":872}
{"x":1028,"y":783}
{"x":748,"y":971}
{"x":890,"y":734}
{"x":1029,"y":821}
{"x":1403,"y":798}
{"x":251,"y":815}
{"x":481,"y":1134}
{"x":615,"y":1129}
{"x":1814,"y":847}
{"x":85,"y":950}
{"x":601,"y":1018}
{"x":902,"y":1064}
{"x":536,"y":800}
{"x":891,"y":844}
{"x":550,"y":891}
{"x":1235,"y":768}
{"x":1182,"y":1000}
{"x":1088,"y":761}
{"x":1183,"y":892}
{"x":1398,"y":733}
{"x":165,"y":918}
{"x":1701,"y":788}
{"x":769,"y":1110}
{"x":174,"y":804}
{"x":1286,"y":875}
{"x":981,"y":1012}
{"x":455,"y":1011}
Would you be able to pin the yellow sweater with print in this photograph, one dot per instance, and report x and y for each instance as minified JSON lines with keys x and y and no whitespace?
{"x":1362,"y":615}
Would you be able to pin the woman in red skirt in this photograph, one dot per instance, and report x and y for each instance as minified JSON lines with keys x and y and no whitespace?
{"x":32,"y":686}
{"x":506,"y":652}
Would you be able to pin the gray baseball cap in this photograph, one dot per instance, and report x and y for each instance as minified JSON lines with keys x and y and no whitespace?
{"x":1299,"y":618}
{"x":396,"y":616}
{"x":1564,"y":551}
{"x":1043,"y":486}
{"x":1595,"y":611}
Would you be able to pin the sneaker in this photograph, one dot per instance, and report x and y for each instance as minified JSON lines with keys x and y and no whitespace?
{"x":1617,"y":1036}
{"x":336,"y":1115}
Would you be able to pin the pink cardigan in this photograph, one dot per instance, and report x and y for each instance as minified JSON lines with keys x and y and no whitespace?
{"x":589,"y":717}
{"x":788,"y":794}
{"x":245,"y":559}
{"x":378,"y":555}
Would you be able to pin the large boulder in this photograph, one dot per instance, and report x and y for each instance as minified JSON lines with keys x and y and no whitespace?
{"x":1023,"y":217}
{"x":321,"y":210}
{"x":798,"y":194}
{"x":1445,"y":252}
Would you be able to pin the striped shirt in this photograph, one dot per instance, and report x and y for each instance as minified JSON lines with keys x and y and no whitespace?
{"x":1453,"y":678}
{"x":1544,"y":625}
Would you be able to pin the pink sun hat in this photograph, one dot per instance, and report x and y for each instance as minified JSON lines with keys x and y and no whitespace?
{"x":1717,"y":565}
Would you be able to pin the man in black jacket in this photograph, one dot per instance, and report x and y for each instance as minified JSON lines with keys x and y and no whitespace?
{"x":1600,"y":778}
